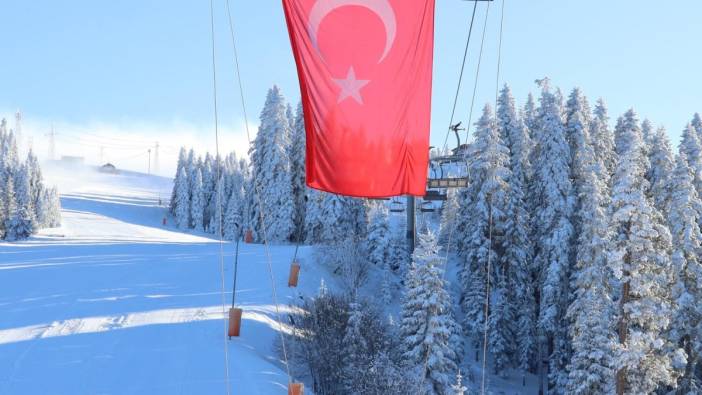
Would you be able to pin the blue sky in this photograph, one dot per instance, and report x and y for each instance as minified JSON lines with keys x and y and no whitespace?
{"x":88,"y":65}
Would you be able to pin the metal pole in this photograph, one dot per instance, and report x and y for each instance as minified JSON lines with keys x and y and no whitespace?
{"x":411,"y":222}
{"x":149,"y":171}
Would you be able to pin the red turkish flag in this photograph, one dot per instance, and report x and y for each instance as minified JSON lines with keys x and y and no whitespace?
{"x":365,"y":69}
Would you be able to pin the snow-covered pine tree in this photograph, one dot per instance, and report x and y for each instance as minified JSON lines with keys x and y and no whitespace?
{"x":460,"y":221}
{"x":190,"y":166}
{"x":337,"y":221}
{"x":399,"y":257}
{"x":3,"y":211}
{"x":427,"y":323}
{"x":181,"y":202}
{"x":180,"y":168}
{"x":577,"y":125}
{"x":233,"y":220}
{"x":36,"y":182}
{"x":459,"y":388}
{"x":51,"y":208}
{"x":625,"y":123}
{"x":220,"y":208}
{"x":520,"y":276}
{"x":602,"y":140}
{"x":529,"y":114}
{"x":25,"y":220}
{"x":518,"y":251}
{"x":297,"y":171}
{"x":691,"y":147}
{"x":647,"y":133}
{"x":356,"y":352}
{"x":208,"y":189}
{"x":234,"y":215}
{"x":697,"y":125}
{"x":357,"y":209}
{"x":270,"y":160}
{"x":197,"y":202}
{"x":661,"y":158}
{"x":9,"y":158}
{"x":684,"y":218}
{"x":314,"y":225}
{"x":485,"y":240}
{"x":378,"y":235}
{"x":581,"y":165}
{"x":449,"y":212}
{"x":385,"y":377}
{"x":591,"y":313}
{"x":640,"y":260}
{"x":386,"y":284}
{"x":290,"y":116}
{"x":247,"y":195}
{"x":515,"y":135}
{"x":10,"y":210}
{"x":553,"y":197}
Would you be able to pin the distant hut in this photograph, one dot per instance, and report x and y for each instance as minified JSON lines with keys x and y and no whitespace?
{"x":108,"y":168}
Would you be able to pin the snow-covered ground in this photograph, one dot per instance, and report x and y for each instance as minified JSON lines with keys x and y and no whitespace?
{"x":113,"y":302}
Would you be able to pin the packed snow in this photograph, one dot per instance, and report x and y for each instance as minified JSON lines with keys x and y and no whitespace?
{"x":114,"y":302}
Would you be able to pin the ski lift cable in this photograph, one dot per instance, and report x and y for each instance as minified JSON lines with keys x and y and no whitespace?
{"x":487,"y":278}
{"x":460,"y":75}
{"x":219,"y":201}
{"x":444,"y":264}
{"x":142,"y":153}
{"x":477,"y":72}
{"x":257,"y":196}
{"x":87,"y":143}
{"x":124,"y":140}
{"x":92,"y":139}
{"x":490,"y":225}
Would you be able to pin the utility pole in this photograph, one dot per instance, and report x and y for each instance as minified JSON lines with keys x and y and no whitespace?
{"x":411,"y":223}
{"x":149,"y":166}
{"x":18,"y":132}
{"x":102,"y":155}
{"x":52,"y":143}
{"x":157,"y":167}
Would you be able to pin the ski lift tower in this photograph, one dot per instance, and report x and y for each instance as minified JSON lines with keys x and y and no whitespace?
{"x":439,"y":181}
{"x":445,"y":171}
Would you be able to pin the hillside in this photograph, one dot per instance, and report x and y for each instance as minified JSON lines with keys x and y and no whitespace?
{"x":113,"y":302}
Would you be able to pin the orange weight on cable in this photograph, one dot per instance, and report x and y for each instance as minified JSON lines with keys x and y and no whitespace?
{"x":234,"y":322}
{"x":294,"y":274}
{"x":296,"y":389}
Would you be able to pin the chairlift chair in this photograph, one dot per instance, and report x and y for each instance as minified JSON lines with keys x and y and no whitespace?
{"x":427,"y":207}
{"x":435,"y":195}
{"x":396,"y":206}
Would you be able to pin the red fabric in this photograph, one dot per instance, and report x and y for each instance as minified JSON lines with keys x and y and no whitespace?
{"x":365,"y":70}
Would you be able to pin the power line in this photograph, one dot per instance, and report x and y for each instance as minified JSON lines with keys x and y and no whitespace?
{"x":52,"y":143}
{"x":220,"y":198}
{"x":257,"y":195}
{"x":477,"y":70}
{"x":460,"y":75}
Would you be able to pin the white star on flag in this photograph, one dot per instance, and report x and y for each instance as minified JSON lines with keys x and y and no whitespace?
{"x":350,"y":87}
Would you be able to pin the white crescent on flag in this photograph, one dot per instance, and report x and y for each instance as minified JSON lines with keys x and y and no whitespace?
{"x":382,"y":8}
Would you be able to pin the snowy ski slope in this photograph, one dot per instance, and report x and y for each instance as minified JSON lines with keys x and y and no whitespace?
{"x":113,"y":302}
